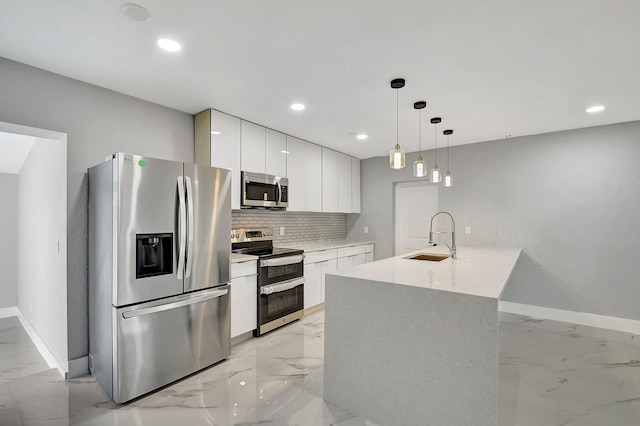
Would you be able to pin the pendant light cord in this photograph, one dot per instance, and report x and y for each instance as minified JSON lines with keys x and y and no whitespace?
{"x":397,"y":132}
{"x":420,"y":132}
{"x":447,"y":152}
{"x":435,"y":143}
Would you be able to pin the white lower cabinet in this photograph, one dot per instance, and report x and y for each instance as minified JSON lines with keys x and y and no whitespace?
{"x":244,"y":297}
{"x":316,"y":265}
{"x":369,"y":254}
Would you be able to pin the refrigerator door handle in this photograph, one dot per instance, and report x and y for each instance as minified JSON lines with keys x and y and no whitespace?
{"x":182,"y":224}
{"x":190,"y":219}
{"x":188,"y":301}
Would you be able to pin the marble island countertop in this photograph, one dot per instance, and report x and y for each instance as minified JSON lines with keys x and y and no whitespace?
{"x":477,"y":271}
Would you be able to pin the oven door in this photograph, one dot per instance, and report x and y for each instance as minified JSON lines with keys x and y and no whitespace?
{"x":280,"y":304}
{"x":278,"y":269}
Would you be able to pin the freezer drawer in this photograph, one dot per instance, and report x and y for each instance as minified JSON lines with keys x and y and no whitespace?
{"x":160,"y":342}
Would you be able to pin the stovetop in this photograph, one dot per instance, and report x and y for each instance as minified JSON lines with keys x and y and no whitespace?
{"x":258,"y":242}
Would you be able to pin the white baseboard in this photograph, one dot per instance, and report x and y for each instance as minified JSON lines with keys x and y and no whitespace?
{"x":12,"y":311}
{"x":78,"y":367}
{"x":582,"y":318}
{"x":51,"y":361}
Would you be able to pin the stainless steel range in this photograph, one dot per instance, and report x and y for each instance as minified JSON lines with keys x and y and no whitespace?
{"x":280,"y":277}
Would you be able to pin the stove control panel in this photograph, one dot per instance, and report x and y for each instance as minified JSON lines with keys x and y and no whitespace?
{"x":242,"y":235}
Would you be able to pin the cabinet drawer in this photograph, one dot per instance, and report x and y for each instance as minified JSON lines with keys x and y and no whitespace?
{"x":242,"y":269}
{"x":320,"y":255}
{"x":368,"y":248}
{"x":350,"y":251}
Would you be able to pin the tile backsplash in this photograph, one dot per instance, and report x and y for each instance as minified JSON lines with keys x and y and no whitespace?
{"x":298,"y":226}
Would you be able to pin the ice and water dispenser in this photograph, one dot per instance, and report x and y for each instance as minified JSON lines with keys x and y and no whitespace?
{"x":154,"y":255}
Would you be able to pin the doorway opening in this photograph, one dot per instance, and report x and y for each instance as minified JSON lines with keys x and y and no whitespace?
{"x":33,"y":284}
{"x":415,"y":203}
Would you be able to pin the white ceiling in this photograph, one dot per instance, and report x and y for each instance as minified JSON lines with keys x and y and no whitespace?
{"x":14,"y":150}
{"x":489,"y":69}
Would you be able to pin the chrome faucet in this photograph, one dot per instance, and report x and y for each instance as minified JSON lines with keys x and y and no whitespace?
{"x":452,"y":248}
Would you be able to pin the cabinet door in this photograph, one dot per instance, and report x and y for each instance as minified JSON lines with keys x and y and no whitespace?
{"x":359,"y":259}
{"x":369,"y":257}
{"x":344,"y":183}
{"x":253,"y":147}
{"x":328,"y":266}
{"x":276,"y":153}
{"x":329,"y":180}
{"x":296,"y":173}
{"x":244,"y":302}
{"x":344,"y":262}
{"x":313,"y":181}
{"x":355,"y":185}
{"x":225,"y":149}
{"x":312,"y":284}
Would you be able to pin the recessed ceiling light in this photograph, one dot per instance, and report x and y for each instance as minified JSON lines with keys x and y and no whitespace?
{"x":595,"y":108}
{"x":284,"y":151}
{"x":136,"y":12}
{"x":361,"y":136}
{"x":169,"y":45}
{"x":297,"y":107}
{"x":215,"y":132}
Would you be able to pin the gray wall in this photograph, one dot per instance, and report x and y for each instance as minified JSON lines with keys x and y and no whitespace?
{"x":9,"y":238}
{"x":98,"y":122}
{"x":42,"y":235}
{"x":570,"y":200}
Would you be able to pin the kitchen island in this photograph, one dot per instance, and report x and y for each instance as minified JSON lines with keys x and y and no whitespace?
{"x":415,"y":342}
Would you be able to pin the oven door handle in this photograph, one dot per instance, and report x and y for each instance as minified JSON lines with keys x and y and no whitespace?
{"x":281,"y":261}
{"x":284,"y":286}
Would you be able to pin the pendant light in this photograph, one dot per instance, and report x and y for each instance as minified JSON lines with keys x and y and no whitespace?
{"x":435,"y":176}
{"x":448,"y":180}
{"x":396,"y":156}
{"x":419,"y":166}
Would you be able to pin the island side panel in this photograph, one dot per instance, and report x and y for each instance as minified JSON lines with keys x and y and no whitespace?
{"x":403,"y":355}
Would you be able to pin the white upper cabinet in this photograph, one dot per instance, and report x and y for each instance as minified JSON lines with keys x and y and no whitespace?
{"x":313,"y":181}
{"x":217,"y":144}
{"x":296,"y":173}
{"x":304,"y":171}
{"x":320,"y":179}
{"x":276,"y":153}
{"x":344,"y":183}
{"x":329,"y":180}
{"x":263,"y":150}
{"x":355,"y":185}
{"x":253,"y":147}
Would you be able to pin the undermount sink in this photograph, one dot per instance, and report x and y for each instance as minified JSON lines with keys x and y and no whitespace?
{"x":430,"y":257}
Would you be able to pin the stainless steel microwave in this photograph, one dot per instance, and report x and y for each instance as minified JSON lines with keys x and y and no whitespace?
{"x":267,"y":191}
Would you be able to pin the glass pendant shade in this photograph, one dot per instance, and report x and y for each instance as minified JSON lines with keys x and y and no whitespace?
{"x":448,"y":180}
{"x":396,"y":158}
{"x":435,"y":176}
{"x":419,"y":167}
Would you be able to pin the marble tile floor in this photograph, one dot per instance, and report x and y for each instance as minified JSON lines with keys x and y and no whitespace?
{"x":19,"y":357}
{"x":550,"y":373}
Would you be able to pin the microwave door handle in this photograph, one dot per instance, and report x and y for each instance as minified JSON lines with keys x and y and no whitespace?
{"x":189,"y":251}
{"x":182,"y":227}
{"x":279,"y":195}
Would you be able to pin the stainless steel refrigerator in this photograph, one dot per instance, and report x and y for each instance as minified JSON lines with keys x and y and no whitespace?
{"x":159,"y":272}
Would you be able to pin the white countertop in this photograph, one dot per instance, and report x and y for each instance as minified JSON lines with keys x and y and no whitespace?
{"x":237,"y":257}
{"x":477,"y":271}
{"x":318,"y":245}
